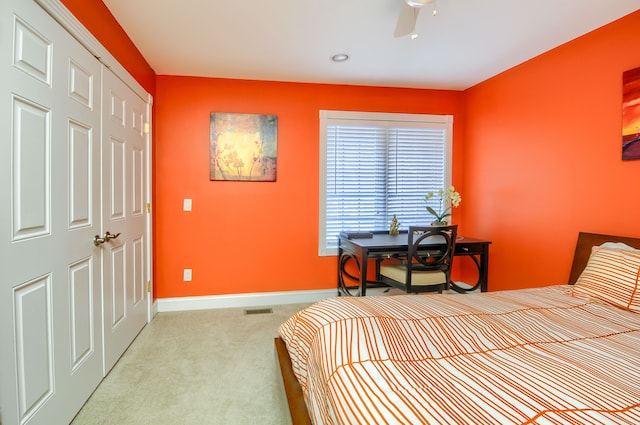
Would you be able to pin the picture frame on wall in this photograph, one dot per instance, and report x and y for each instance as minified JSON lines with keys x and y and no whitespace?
{"x":243,"y":147}
{"x":631,"y":114}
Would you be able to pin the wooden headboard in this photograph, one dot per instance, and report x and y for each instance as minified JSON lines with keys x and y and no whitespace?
{"x":583,"y":250}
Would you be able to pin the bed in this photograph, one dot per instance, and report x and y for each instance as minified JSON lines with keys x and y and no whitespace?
{"x":562,"y":354}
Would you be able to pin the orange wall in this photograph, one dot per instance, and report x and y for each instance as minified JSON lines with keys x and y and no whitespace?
{"x":537,"y":157}
{"x":97,"y":18}
{"x":542,"y":158}
{"x":246,"y":237}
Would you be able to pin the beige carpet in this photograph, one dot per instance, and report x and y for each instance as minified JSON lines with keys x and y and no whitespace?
{"x":196,"y":368}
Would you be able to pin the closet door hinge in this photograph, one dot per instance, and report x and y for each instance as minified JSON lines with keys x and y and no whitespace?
{"x":148,"y":286}
{"x":148,"y":207}
{"x":146,"y":128}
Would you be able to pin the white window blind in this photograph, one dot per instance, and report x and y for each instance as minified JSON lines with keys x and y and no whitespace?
{"x":375,"y":165}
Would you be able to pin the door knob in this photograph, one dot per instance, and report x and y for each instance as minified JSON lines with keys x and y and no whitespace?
{"x":97,"y":240}
{"x":108,"y":236}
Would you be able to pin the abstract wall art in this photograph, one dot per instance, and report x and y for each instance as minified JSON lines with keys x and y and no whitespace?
{"x":243,"y":147}
{"x":631,"y":114}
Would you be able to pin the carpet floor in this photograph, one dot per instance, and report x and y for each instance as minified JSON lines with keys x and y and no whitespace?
{"x":203,"y":367}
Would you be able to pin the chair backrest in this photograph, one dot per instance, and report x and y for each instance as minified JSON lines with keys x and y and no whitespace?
{"x":431,"y":248}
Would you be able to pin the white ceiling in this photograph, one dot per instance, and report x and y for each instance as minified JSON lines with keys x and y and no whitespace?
{"x":467,"y":41}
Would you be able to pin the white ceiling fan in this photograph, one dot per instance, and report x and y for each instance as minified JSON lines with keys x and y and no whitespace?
{"x":408,"y":16}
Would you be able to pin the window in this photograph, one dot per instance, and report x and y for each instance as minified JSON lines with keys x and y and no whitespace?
{"x":377,"y":165}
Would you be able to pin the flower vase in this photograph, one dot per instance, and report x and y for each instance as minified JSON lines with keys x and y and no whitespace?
{"x":439,"y":223}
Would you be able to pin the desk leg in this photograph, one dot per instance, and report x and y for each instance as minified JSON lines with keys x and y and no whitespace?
{"x":352,"y":283}
{"x":348,"y":283}
{"x":340,"y":270}
{"x":482,"y":263}
{"x":363,"y":276}
{"x":484,"y":268}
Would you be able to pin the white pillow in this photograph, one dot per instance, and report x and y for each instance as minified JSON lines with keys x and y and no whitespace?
{"x":612,"y":275}
{"x":618,"y":245}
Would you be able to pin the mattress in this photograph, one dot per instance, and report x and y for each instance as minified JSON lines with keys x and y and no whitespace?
{"x":531,"y":356}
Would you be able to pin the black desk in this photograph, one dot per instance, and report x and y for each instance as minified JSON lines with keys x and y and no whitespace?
{"x":383,"y":245}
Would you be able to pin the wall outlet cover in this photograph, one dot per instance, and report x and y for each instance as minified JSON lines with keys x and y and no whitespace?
{"x":188,"y":274}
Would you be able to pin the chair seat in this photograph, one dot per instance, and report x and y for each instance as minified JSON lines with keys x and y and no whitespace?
{"x":398,"y":272}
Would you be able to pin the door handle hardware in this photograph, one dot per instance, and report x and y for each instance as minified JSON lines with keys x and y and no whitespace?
{"x":97,"y":240}
{"x":108,"y":236}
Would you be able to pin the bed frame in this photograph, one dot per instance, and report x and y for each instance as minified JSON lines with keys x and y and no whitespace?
{"x":295,"y":398}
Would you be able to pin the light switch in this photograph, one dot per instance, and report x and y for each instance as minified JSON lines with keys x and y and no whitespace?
{"x":187,"y":205}
{"x":187,"y":275}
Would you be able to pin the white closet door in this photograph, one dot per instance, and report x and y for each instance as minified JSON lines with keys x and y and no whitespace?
{"x":124,"y":165}
{"x":50,"y":292}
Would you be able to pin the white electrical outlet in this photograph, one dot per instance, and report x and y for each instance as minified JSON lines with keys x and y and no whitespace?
{"x":187,"y":275}
{"x":187,"y":205}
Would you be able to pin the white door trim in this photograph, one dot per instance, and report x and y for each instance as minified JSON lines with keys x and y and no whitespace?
{"x":152,"y":308}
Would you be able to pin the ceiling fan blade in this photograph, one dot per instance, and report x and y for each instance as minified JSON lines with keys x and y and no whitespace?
{"x":406,"y":20}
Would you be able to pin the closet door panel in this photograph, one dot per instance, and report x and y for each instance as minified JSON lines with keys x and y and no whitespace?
{"x":125,"y":176}
{"x":50,"y":197}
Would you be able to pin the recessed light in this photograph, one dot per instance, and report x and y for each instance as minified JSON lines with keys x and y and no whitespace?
{"x":340,"y":57}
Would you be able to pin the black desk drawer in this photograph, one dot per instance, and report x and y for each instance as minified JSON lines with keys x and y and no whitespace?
{"x":469,"y":249}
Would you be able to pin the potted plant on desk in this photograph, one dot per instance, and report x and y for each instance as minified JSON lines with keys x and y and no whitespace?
{"x":448,"y":199}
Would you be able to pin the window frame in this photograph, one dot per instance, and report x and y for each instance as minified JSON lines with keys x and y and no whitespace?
{"x":381,"y":119}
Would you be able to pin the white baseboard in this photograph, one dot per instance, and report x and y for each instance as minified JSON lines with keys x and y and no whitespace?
{"x":242,"y":300}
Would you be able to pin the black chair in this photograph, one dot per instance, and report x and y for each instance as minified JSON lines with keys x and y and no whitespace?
{"x":427,"y":267}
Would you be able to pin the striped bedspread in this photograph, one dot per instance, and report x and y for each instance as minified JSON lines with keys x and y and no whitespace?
{"x":533,"y":356}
